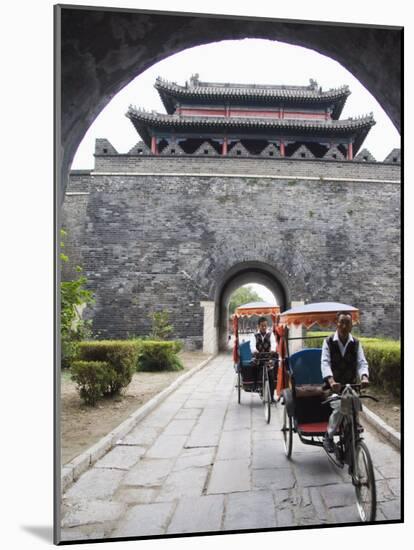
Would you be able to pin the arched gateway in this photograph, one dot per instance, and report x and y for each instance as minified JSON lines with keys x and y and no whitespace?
{"x":241,"y":274}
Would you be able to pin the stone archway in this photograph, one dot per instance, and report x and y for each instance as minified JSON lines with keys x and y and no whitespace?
{"x":241,"y":274}
{"x":102,"y":50}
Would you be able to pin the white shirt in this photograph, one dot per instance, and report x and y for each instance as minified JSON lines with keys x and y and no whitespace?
{"x":362,"y":365}
{"x":272,"y":341}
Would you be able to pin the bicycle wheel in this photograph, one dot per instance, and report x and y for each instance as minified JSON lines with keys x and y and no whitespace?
{"x":365,"y":489}
{"x":238,"y":387}
{"x":287,"y":430}
{"x":267,"y":401}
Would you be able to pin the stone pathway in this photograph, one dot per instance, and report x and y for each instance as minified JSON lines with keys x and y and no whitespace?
{"x":202,"y":462}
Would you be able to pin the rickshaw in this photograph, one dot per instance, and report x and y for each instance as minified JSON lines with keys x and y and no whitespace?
{"x":306,"y":401}
{"x":243,"y":358}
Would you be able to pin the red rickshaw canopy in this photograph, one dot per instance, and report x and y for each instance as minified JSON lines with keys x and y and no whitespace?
{"x":320,"y":313}
{"x":256,"y":308}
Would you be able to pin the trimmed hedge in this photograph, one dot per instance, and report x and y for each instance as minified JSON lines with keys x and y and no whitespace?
{"x":121,"y":355}
{"x":155,"y":355}
{"x":93,"y":379}
{"x":383,"y":356}
{"x":384,"y":360}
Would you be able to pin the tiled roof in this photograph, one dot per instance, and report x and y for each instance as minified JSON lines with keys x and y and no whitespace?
{"x":191,"y":122}
{"x":170,"y":92}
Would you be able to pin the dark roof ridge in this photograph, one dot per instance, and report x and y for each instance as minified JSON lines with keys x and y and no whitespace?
{"x":153,"y":115}
{"x":198,"y":86}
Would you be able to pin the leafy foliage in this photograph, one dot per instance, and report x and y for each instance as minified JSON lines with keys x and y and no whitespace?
{"x":73,"y":295}
{"x":93,"y":378}
{"x":161,"y":328}
{"x":243,"y":295}
{"x":120,"y":355}
{"x":159,"y":356}
{"x":383,"y":356}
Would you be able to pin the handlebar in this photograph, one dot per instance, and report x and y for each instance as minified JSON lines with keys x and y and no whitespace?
{"x":336,"y":397}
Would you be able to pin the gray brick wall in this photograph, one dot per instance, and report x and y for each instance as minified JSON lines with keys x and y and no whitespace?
{"x":331,"y":240}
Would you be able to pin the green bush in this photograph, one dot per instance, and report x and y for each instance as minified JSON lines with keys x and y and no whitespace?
{"x":384,"y":360}
{"x":121,"y":355}
{"x":383,"y":356}
{"x":159,"y":356}
{"x":93,"y":379}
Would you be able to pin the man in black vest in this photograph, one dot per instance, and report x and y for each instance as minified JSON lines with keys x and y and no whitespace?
{"x":343,"y":361}
{"x":263,"y":344}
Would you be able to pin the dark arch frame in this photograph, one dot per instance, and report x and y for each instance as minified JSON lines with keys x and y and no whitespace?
{"x":100,"y":50}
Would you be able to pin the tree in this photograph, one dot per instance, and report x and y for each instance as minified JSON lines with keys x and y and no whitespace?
{"x":161,"y":328}
{"x":73,"y":295}
{"x":243,"y":295}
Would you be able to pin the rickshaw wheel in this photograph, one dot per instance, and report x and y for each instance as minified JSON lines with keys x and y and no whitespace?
{"x":365,"y":489}
{"x":287,"y":430}
{"x":267,"y":401}
{"x":238,"y":387}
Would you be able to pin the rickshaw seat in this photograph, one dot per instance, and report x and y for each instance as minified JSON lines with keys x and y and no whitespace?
{"x":305,"y":369}
{"x":305,"y":366}
{"x":245,"y":354}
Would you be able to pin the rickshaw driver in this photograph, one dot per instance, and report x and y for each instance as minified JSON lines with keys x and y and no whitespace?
{"x":342,"y":361}
{"x":264,"y":344}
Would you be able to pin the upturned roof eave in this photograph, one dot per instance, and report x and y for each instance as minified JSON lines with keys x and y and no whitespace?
{"x":174,"y":121}
{"x":171,"y":95}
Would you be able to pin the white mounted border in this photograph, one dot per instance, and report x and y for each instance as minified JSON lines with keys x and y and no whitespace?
{"x":73,"y":469}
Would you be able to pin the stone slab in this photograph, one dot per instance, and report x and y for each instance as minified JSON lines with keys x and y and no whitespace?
{"x":184,"y":414}
{"x":93,"y":511}
{"x":167,"y":446}
{"x":273,"y":478}
{"x":234,"y":444}
{"x":140,"y":435}
{"x":391,"y":509}
{"x":199,"y":514}
{"x":250,"y":510}
{"x":148,"y":472}
{"x":144,"y":520}
{"x":136,"y":495}
{"x":183,"y":483}
{"x":312,"y":470}
{"x":121,"y":457}
{"x":229,"y":476}
{"x":269,"y":454}
{"x":96,"y":483}
{"x":198,"y":456}
{"x":179,"y":427}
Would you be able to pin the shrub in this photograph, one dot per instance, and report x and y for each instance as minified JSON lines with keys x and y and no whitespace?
{"x":121,"y":355}
{"x":73,"y":295}
{"x":383,"y":356}
{"x":93,"y":378}
{"x":159,"y":356}
{"x":384,"y":360}
{"x":161,"y":328}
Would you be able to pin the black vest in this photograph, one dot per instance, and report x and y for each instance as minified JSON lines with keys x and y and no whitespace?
{"x":344,"y":369}
{"x":263,"y":344}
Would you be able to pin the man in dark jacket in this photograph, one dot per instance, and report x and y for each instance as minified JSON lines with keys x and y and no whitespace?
{"x":343,"y":361}
{"x":264,"y":344}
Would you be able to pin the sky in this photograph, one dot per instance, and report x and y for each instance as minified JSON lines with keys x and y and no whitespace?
{"x":254,"y":61}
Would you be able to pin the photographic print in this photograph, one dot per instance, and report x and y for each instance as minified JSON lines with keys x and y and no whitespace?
{"x":228,"y":322}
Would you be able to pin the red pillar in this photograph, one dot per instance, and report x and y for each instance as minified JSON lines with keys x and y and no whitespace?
{"x":350,"y":154}
{"x":282,"y":149}
{"x":224,"y":148}
{"x":154,"y":149}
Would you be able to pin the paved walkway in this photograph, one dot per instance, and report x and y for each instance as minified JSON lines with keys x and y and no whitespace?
{"x":202,"y":462}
